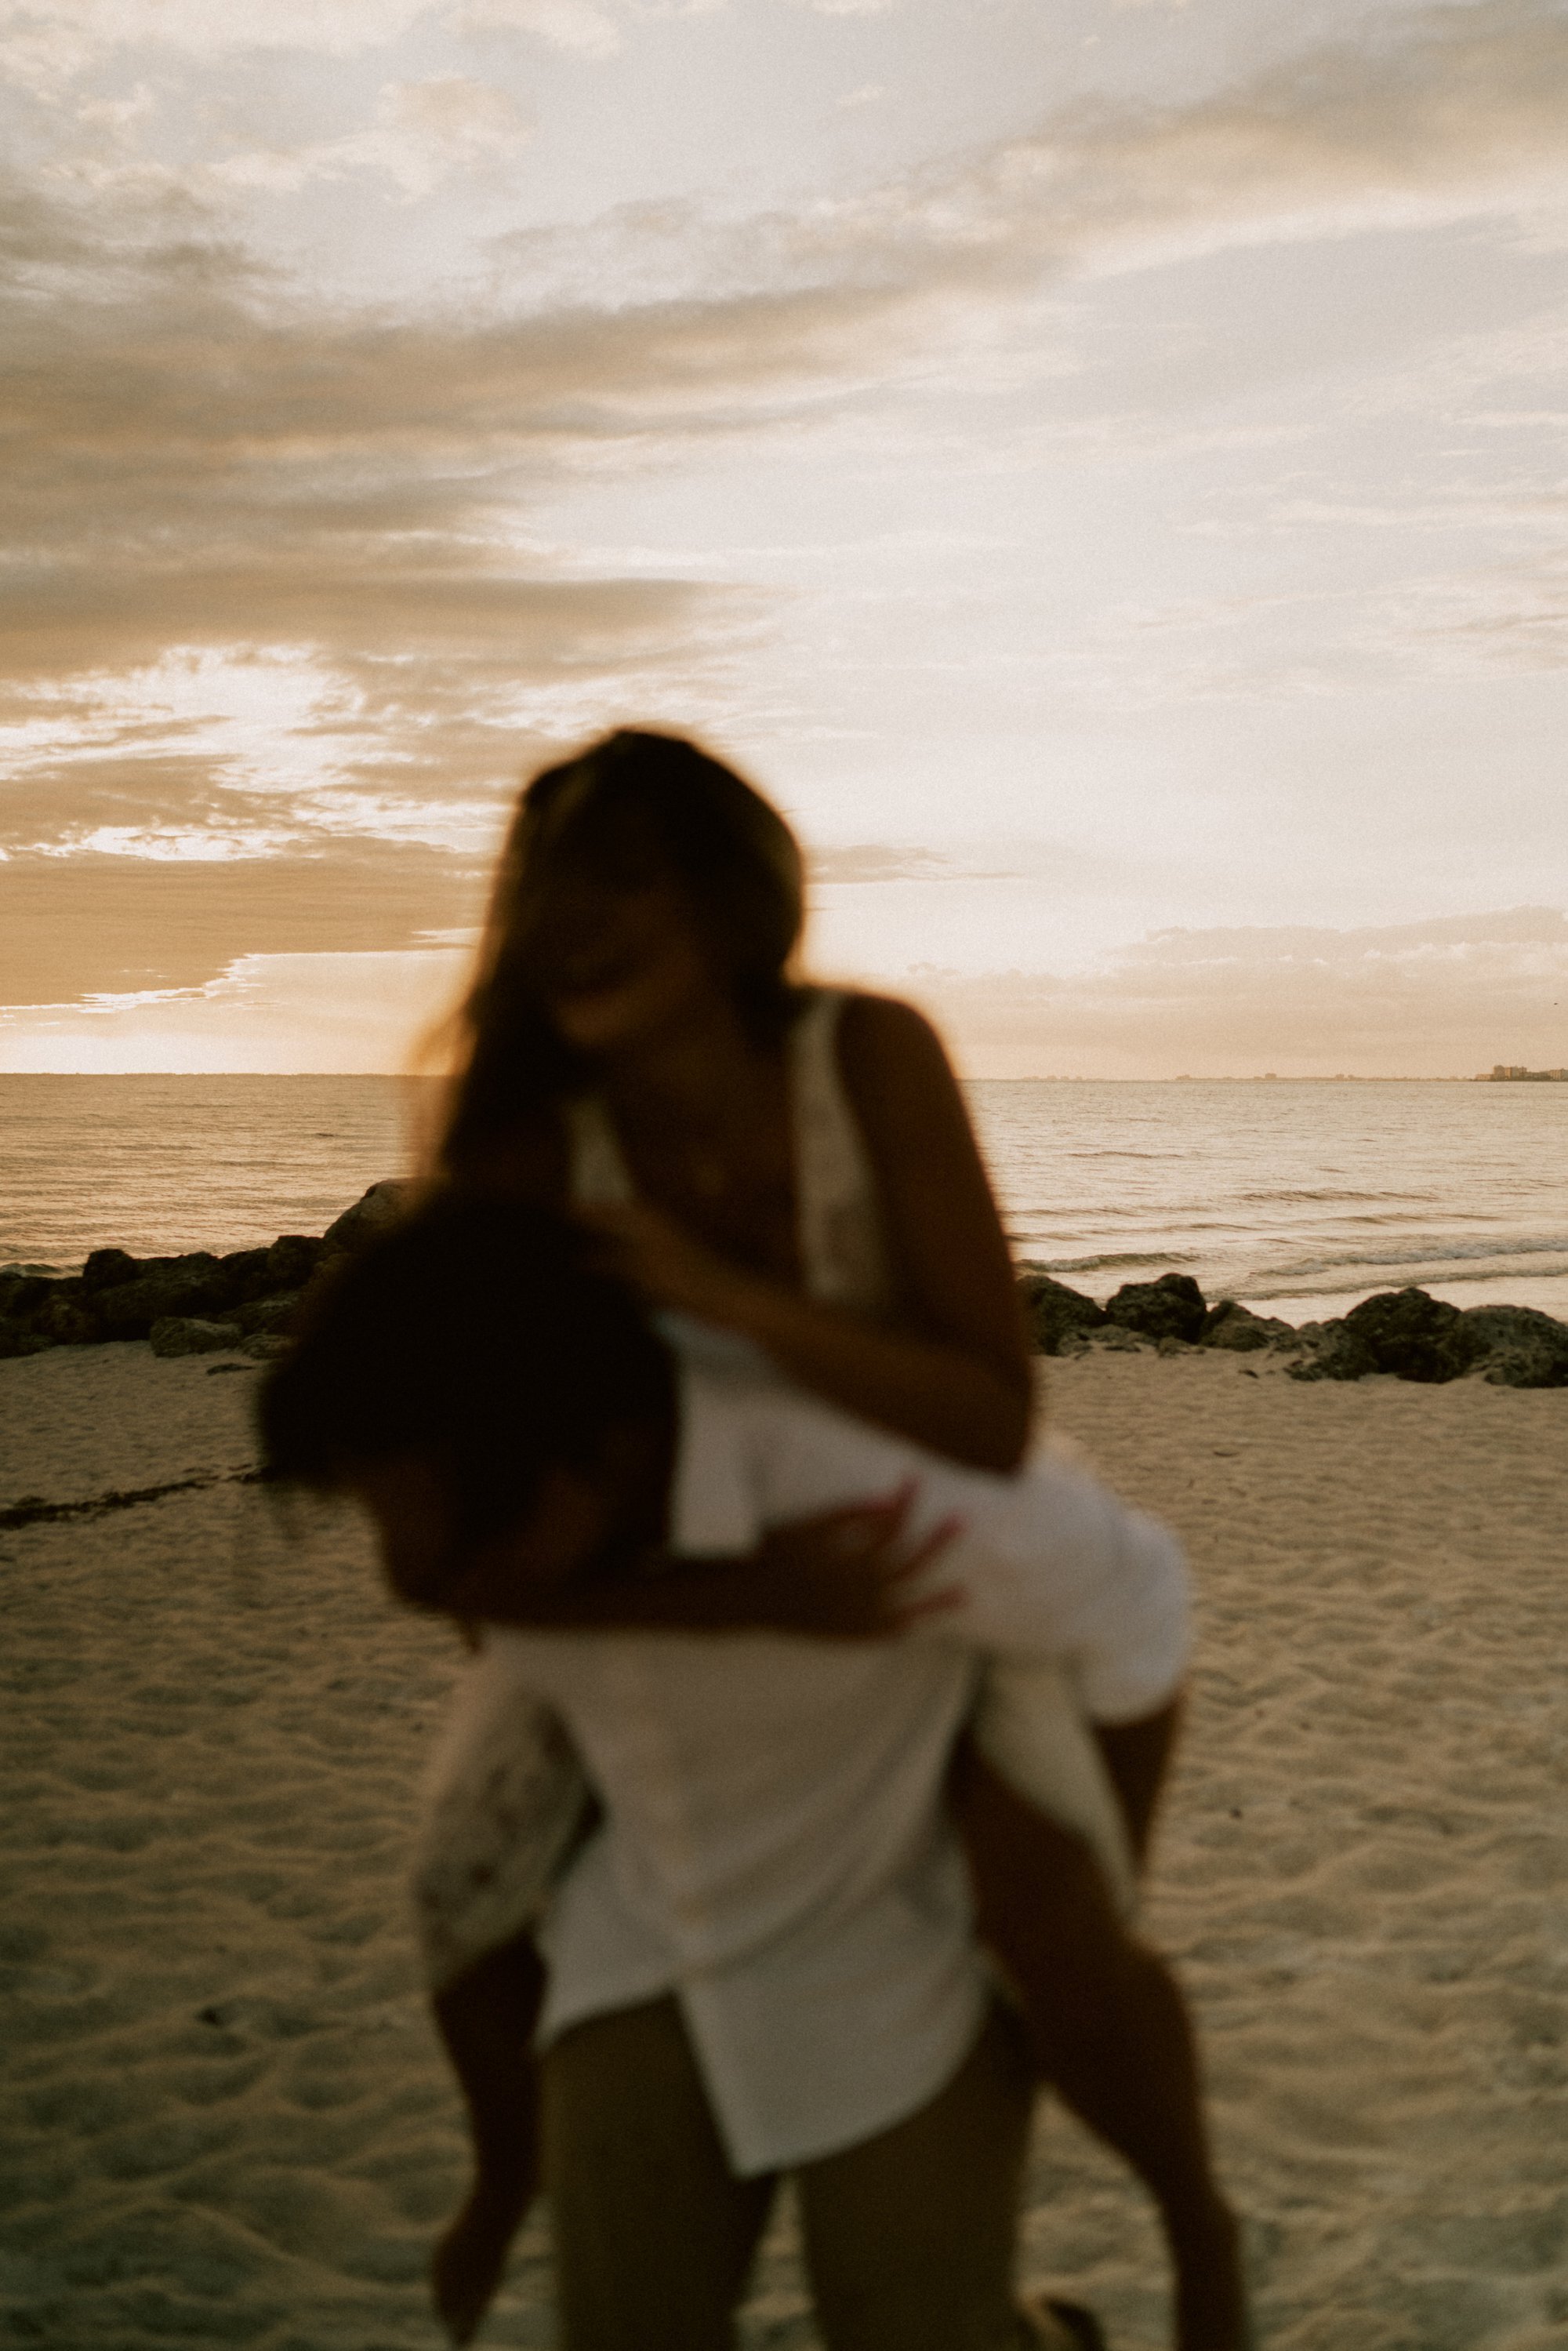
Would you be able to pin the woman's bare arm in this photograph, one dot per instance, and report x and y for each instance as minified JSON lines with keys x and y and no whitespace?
{"x":944,"y":1237}
{"x":846,"y":1574}
{"x":1138,"y":1757}
{"x":958,"y":1376}
{"x":849,"y":1573}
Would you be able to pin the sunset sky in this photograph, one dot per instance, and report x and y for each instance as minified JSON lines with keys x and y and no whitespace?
{"x":1099,"y":465}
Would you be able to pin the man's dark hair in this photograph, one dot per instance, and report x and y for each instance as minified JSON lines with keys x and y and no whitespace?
{"x":472,"y":1334}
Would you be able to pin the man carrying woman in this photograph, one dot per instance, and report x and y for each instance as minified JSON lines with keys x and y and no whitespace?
{"x":797,"y":1169}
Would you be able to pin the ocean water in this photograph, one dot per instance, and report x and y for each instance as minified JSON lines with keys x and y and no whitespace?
{"x":1298,"y":1197}
{"x":160,"y":1164}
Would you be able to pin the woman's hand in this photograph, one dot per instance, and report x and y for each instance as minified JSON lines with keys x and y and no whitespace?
{"x":848,"y":1574}
{"x":664,"y":1263}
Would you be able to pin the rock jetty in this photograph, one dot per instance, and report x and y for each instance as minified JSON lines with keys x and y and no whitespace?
{"x":189,"y":1305}
{"x":244,"y":1303}
{"x":1403,"y":1331}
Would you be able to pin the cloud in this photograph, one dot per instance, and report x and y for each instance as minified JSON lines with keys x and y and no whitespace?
{"x":356,"y":1012}
{"x":139,"y":923}
{"x":172,"y":379}
{"x":331,"y":507}
{"x":870,"y":862}
{"x":1441,"y":112}
{"x":1510,"y":622}
{"x":424,"y":132}
{"x":209,"y":462}
{"x":574,"y":26}
{"x":1438,"y":998}
{"x":88,"y":30}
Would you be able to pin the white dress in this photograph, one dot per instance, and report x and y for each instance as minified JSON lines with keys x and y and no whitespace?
{"x":506,"y":1800}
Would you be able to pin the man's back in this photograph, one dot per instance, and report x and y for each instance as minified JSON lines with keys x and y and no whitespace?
{"x":774,"y":1848}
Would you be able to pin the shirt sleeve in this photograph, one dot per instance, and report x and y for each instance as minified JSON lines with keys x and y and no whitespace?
{"x":1050,"y":1565}
{"x":1057,"y":1567}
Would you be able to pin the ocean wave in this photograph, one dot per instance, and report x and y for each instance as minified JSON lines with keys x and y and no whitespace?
{"x":1318,"y":1198}
{"x":1111,"y":1261}
{"x":1431,"y":1252}
{"x":1393,"y":1216}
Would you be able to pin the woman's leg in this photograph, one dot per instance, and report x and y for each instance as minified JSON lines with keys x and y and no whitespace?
{"x":486,"y":2019}
{"x":1110,"y":2032}
{"x":654,"y":2234}
{"x":910,"y":2237}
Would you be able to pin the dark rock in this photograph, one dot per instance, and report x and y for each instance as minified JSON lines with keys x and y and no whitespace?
{"x":1514,"y":1346}
{"x":107,"y":1266}
{"x":1055,"y":1312}
{"x":20,"y":1293}
{"x":1403,"y":1331}
{"x":265,"y":1346}
{"x":194,"y":1285}
{"x":1171,"y":1308}
{"x":247,"y":1274}
{"x":1410,"y":1333}
{"x":66,"y":1319}
{"x":290,"y":1262}
{"x":1236,"y":1327}
{"x":1331,"y":1351}
{"x":174,"y":1334}
{"x":267,"y":1313}
{"x":371,"y":1213}
{"x":15,"y":1340}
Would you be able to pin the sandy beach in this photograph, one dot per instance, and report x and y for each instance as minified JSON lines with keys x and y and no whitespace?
{"x":225,"y":2120}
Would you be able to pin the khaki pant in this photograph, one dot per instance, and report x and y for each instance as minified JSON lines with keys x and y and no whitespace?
{"x":909,"y":2237}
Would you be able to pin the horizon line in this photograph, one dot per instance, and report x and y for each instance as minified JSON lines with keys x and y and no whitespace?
{"x":1034,"y":1078}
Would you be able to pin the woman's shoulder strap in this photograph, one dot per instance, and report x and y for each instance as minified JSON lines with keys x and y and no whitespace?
{"x":598,"y":1176}
{"x":837,"y":1212}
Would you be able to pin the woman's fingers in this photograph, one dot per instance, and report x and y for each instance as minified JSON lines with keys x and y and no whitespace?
{"x":659,"y":1257}
{"x":906,"y":1564}
{"x":853,"y":1572}
{"x":909,"y":1561}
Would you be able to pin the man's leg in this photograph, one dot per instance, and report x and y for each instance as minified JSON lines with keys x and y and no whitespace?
{"x":655,"y":2235}
{"x":910,"y":2237}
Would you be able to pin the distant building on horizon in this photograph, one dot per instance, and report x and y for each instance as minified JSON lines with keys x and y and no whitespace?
{"x":1514,"y":1072}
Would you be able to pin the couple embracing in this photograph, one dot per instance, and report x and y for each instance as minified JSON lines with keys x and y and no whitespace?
{"x":791,"y":1816}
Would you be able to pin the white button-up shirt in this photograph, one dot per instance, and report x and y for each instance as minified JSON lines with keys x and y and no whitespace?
{"x":774,"y":1849}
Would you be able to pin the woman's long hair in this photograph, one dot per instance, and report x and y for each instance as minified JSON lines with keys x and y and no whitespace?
{"x":633,"y":808}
